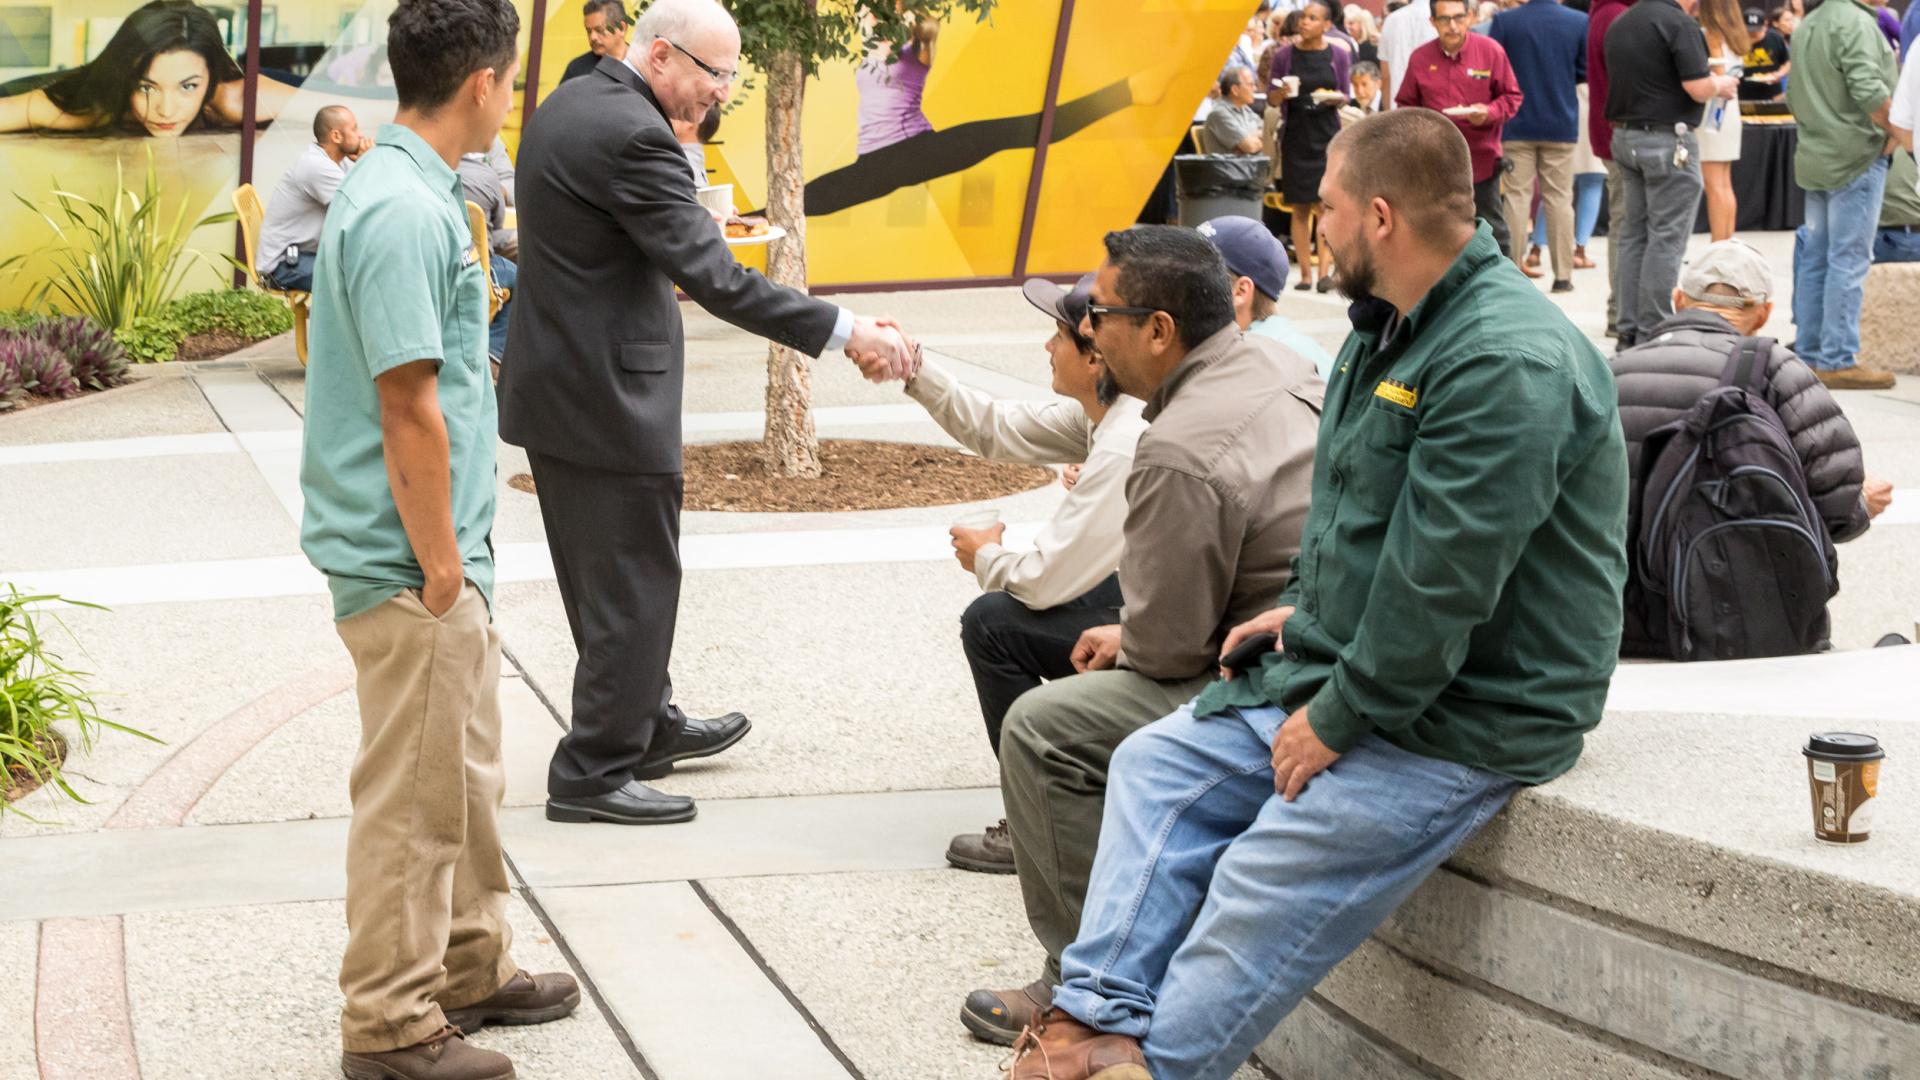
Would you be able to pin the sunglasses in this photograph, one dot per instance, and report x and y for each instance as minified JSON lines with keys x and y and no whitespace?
{"x":1095,"y":311}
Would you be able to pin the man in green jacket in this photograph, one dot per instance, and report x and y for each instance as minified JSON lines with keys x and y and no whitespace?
{"x":1841,"y":94}
{"x":1447,"y":636}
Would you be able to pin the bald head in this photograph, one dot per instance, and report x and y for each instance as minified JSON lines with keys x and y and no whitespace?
{"x":689,"y":53}
{"x":1416,"y":161}
{"x":329,"y":120}
{"x":677,"y":20}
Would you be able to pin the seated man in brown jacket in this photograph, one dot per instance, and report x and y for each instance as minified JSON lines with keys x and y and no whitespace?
{"x":1216,"y":500}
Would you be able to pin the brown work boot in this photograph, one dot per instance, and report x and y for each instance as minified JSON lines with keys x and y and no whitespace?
{"x":445,"y":1056}
{"x":1856,"y":377}
{"x":999,"y":1016}
{"x":989,"y":852}
{"x":1058,"y":1047}
{"x":526,"y":999}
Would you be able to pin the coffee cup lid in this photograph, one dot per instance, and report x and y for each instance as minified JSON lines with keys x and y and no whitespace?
{"x":1843,"y":744}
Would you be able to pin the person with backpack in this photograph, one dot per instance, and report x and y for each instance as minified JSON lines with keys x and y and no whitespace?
{"x":1734,"y":447}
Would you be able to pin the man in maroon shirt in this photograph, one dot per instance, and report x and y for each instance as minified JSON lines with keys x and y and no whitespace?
{"x":1467,"y":77}
{"x":1600,"y":135}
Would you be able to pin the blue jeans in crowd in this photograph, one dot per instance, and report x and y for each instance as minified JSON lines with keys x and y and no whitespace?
{"x":1897,"y":245}
{"x":1663,"y":199}
{"x":504,"y":275}
{"x":296,"y":275}
{"x":1215,"y":905}
{"x":1588,"y":190}
{"x":1831,"y":255}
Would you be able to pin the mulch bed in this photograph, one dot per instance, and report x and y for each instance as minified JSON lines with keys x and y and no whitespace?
{"x":18,"y":784}
{"x":212,"y":346}
{"x":858,"y":474}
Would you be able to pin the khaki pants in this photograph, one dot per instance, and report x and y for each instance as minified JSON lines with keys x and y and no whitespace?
{"x":1552,"y":164}
{"x":1616,"y":223}
{"x":426,"y":881}
{"x":1054,"y":752}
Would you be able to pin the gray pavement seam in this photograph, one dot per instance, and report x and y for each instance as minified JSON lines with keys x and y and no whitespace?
{"x":620,"y":1033}
{"x":760,"y":961}
{"x":534,"y":685}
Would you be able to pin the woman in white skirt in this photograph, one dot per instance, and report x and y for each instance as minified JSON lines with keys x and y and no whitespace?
{"x":1719,"y":128}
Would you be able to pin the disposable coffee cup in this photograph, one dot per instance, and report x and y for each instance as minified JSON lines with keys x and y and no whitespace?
{"x":717,"y":198}
{"x":1843,"y":770}
{"x":1292,"y":83}
{"x":979,"y":519}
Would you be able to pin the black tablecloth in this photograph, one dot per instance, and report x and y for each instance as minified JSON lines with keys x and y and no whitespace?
{"x":1763,"y":180}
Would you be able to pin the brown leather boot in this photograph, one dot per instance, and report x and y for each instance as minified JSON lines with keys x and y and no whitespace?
{"x":999,"y":1016}
{"x":1058,"y":1047}
{"x":526,"y":999}
{"x":445,"y":1056}
{"x":1855,"y":377}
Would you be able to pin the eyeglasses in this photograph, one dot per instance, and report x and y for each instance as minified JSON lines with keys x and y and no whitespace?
{"x":1095,"y":311}
{"x":724,"y":78}
{"x":1442,"y":20}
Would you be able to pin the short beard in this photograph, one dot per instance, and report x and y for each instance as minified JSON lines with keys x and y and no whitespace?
{"x":1355,"y":276}
{"x":1105,"y":390}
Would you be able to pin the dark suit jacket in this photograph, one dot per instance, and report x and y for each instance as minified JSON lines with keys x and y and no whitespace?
{"x":608,"y":226}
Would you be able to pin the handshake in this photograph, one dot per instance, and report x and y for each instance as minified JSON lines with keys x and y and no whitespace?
{"x":882,"y":350}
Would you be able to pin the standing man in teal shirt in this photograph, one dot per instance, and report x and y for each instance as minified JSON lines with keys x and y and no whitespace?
{"x":1447,"y":636}
{"x":397,"y":471}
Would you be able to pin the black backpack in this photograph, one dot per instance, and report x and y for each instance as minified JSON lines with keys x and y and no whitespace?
{"x":1730,"y":560}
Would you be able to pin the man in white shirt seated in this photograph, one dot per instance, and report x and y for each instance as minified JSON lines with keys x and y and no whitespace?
{"x":291,"y":232}
{"x":1022,"y":630}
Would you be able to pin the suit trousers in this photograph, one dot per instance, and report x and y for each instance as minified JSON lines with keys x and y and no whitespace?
{"x":426,"y":880}
{"x":615,"y":539}
{"x":1488,"y":204}
{"x":1552,"y":164}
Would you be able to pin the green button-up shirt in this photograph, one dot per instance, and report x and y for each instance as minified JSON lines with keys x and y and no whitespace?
{"x":1843,"y":71}
{"x":1458,"y":586}
{"x":397,"y":279}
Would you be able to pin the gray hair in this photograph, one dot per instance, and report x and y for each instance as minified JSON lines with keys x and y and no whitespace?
{"x":1230,"y":78}
{"x":675,"y":19}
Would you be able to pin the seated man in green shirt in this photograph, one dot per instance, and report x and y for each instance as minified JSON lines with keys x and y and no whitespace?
{"x":1899,"y":237}
{"x":397,"y":471}
{"x":1447,"y":636}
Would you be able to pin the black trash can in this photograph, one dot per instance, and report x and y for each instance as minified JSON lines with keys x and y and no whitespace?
{"x":1218,"y":185}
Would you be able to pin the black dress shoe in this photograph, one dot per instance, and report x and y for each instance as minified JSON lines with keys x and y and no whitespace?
{"x":634,"y":804}
{"x":697,"y":739}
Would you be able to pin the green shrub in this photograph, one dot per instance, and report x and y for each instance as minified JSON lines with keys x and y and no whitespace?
{"x":18,"y":319}
{"x":13,"y":382}
{"x":38,"y":691}
{"x":240,"y":312}
{"x":152,"y":339}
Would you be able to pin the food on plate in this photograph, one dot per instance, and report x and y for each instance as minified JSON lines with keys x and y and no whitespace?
{"x":739,"y":228}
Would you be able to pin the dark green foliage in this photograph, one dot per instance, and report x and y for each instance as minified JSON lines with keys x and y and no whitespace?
{"x":95,"y":358}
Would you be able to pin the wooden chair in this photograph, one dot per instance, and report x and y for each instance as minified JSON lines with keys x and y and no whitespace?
{"x":1201,"y":144}
{"x":497,"y":296}
{"x":246,"y":205}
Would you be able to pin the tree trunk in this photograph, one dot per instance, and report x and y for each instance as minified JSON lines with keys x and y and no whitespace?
{"x":792,"y":448}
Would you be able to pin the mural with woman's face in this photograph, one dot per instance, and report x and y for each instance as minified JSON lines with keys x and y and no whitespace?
{"x":171,"y":92}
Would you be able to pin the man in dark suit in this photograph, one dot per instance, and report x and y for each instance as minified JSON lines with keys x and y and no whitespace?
{"x":608,"y":227}
{"x":607,"y":26}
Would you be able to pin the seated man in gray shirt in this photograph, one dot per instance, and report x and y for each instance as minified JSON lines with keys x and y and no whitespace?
{"x":1233,"y":127}
{"x":291,"y":232}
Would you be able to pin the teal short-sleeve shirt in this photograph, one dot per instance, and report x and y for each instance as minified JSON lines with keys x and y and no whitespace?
{"x":397,"y":280}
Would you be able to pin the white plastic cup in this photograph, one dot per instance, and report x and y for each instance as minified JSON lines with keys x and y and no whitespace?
{"x":717,"y":198}
{"x":985,"y":518}
{"x":1292,"y":83}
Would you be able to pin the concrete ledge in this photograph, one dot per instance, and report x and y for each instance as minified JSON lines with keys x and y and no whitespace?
{"x":1660,"y":911}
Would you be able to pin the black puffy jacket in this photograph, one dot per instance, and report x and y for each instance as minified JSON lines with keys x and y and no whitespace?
{"x":1662,"y":378}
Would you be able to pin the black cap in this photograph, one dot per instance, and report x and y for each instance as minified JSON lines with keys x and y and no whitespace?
{"x":1065,"y":305}
{"x":1755,"y":18}
{"x":1843,"y":746}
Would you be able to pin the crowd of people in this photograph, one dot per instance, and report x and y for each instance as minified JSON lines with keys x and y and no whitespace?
{"x":1575,"y":106}
{"x":1301,"y":625}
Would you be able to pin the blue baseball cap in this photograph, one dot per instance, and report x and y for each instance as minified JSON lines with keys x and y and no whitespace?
{"x":1249,"y":251}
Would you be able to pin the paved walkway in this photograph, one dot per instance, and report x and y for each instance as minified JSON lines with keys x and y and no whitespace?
{"x":187,"y":922}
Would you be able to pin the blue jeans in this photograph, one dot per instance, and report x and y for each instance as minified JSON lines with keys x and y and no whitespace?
{"x":1831,"y":257}
{"x":1588,"y":190}
{"x":504,"y":275}
{"x":1896,"y":245}
{"x":1215,"y":906}
{"x":1663,"y":199}
{"x":296,"y":275}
